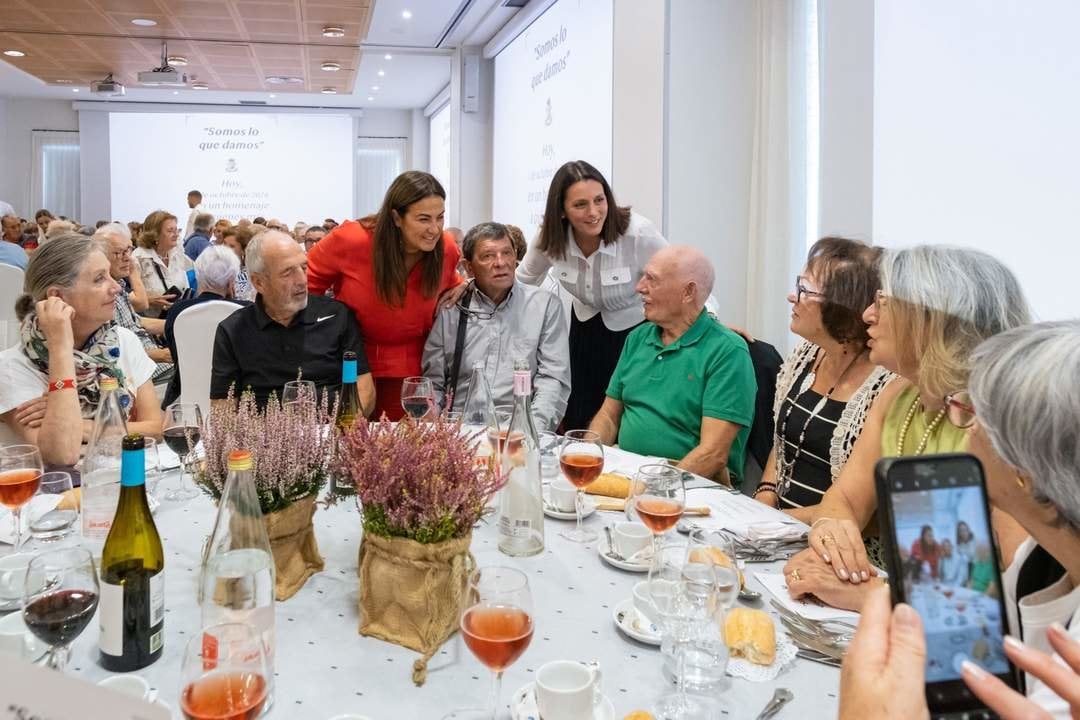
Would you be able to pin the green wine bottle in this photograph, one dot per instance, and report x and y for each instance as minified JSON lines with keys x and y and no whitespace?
{"x":131,"y":608}
{"x":349,"y":410}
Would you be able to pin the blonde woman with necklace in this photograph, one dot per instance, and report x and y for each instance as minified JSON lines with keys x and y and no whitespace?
{"x":935,"y":306}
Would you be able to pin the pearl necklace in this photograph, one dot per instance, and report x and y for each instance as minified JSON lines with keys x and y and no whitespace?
{"x":926,"y":435}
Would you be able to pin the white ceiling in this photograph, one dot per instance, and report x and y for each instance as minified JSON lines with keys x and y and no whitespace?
{"x":419,"y":68}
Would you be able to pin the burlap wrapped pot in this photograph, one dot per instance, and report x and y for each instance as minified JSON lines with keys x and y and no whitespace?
{"x":292,"y":542}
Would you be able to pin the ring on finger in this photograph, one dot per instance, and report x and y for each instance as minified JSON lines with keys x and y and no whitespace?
{"x":794,"y":575}
{"x":828,"y":537}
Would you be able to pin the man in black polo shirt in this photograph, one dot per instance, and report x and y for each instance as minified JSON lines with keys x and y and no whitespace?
{"x":286,"y":331}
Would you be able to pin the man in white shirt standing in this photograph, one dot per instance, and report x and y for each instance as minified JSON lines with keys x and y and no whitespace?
{"x":194,"y":201}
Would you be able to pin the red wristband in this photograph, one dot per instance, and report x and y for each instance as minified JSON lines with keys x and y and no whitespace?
{"x":65,"y":384}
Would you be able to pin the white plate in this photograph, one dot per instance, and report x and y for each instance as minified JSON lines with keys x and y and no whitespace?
{"x":633,"y":624}
{"x":549,"y":509}
{"x":602,"y":549}
{"x":523,"y":705}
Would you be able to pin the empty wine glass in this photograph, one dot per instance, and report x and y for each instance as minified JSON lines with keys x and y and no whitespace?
{"x":54,"y":518}
{"x":183,"y":430}
{"x":581,"y":458}
{"x":296,"y":392}
{"x":496,"y":625}
{"x":20,"y":475}
{"x":153,"y":464}
{"x":60,"y":597}
{"x":417,"y":397}
{"x":224,"y":674}
{"x":657,"y":498}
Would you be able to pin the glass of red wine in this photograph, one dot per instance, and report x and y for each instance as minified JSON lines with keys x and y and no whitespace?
{"x":581,"y":459}
{"x":417,"y":397}
{"x":224,"y":674}
{"x":20,"y":475}
{"x":497,"y":626}
{"x":657,"y":498}
{"x":60,"y":597}
{"x":183,"y":430}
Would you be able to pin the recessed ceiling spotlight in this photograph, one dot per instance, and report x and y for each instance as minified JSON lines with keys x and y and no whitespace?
{"x":64,"y":82}
{"x":374,"y":88}
{"x":175,"y":92}
{"x":74,"y":89}
{"x":328,"y":91}
{"x":370,"y":98}
{"x":143,"y":22}
{"x":177,"y":60}
{"x":332,"y":31}
{"x":272,"y":95}
{"x":199,"y":86}
{"x":407,"y":14}
{"x":15,"y":53}
{"x":331,"y":66}
{"x":382,"y":74}
{"x":387,"y":56}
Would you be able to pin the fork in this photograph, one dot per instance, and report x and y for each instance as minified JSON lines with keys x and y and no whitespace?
{"x":818,"y":626}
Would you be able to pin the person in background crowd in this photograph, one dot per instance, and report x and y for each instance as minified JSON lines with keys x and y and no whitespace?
{"x":598,"y":251}
{"x":12,"y":230}
{"x":215,"y":273}
{"x":58,"y":227}
{"x":952,"y":569}
{"x":504,"y":320}
{"x":218,"y":230}
{"x":329,"y":224}
{"x":162,"y":264}
{"x":521,"y":246}
{"x":313,"y":235}
{"x":285,"y":332}
{"x":30,"y":232}
{"x":298,"y":232}
{"x":11,"y":253}
{"x":390,"y":269}
{"x":457,"y":235}
{"x":99,"y":224}
{"x":243,"y":222}
{"x":259,"y":220}
{"x":7,"y":209}
{"x":827,"y":384}
{"x":49,"y":382}
{"x":194,"y":202}
{"x":684,"y":386}
{"x":42,"y":218}
{"x":134,"y":228}
{"x":199,"y":239}
{"x":237,"y":239}
{"x":275,"y":224}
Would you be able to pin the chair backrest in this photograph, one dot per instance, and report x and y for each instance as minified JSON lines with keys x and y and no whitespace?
{"x":11,"y":287}
{"x":195,"y":329}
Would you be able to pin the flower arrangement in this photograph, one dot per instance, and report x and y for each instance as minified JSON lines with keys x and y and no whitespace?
{"x":418,"y":481}
{"x":291,"y":447}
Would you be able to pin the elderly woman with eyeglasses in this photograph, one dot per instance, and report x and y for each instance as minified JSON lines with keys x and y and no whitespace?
{"x":935,"y":306}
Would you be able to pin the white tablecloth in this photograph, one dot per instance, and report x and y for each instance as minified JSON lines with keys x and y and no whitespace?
{"x":325,"y":667}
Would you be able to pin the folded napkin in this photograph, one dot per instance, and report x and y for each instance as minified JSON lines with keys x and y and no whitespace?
{"x":775,"y":530}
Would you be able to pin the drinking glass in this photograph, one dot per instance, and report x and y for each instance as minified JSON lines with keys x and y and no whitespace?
{"x":496,"y":625}
{"x":54,"y":520}
{"x":581,"y":458}
{"x":549,"y":456}
{"x":60,"y":597}
{"x":417,"y":397}
{"x":657,"y":498}
{"x":183,"y":430}
{"x":497,"y":435}
{"x":683,"y":592}
{"x":20,"y":475}
{"x":152,"y":461}
{"x":297,"y":392}
{"x":224,"y":674}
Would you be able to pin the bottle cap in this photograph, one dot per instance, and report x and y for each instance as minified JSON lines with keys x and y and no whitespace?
{"x":133,"y":441}
{"x":240,"y":460}
{"x":348,"y":355}
{"x":108,"y":382}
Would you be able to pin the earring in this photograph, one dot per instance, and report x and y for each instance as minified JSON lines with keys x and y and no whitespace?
{"x":1020,"y":483}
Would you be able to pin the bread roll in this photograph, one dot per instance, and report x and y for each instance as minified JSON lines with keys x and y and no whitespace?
{"x":610,"y":485}
{"x":717,"y":556}
{"x":750,"y":634}
{"x":70,"y":499}
{"x":639,"y":715}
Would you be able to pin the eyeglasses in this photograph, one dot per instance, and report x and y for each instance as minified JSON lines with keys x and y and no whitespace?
{"x":121,"y":254}
{"x":880,"y":300}
{"x":801,"y":290}
{"x":959,"y":409}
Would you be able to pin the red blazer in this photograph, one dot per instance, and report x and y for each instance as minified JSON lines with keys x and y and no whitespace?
{"x":393,"y":336}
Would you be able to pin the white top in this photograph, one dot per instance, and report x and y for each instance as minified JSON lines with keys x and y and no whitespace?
{"x":1059,"y":602}
{"x":190,"y":227}
{"x":174,"y":274}
{"x":20,"y":380}
{"x":604,"y":282}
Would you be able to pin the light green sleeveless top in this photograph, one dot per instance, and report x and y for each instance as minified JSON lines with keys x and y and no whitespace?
{"x":945,"y":438}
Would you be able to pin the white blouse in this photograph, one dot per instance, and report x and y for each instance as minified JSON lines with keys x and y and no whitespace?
{"x":604,"y":282}
{"x":175,"y":273}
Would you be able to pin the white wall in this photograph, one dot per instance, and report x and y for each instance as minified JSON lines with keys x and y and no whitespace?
{"x":975,"y":135}
{"x":17,"y":118}
{"x":470,"y":145}
{"x":419,"y":140}
{"x":385,"y":123}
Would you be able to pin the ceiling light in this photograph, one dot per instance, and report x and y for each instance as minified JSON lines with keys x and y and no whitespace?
{"x":175,"y":92}
{"x":328,"y":91}
{"x":143,"y":22}
{"x":64,"y":82}
{"x":273,"y":95}
{"x":374,"y":88}
{"x":178,"y":60}
{"x":199,"y":86}
{"x":74,"y":89}
{"x":407,"y":14}
{"x":381,"y":73}
{"x":15,"y":53}
{"x":388,"y":56}
{"x":370,"y":98}
{"x":334,"y":32}
{"x":331,"y":66}
{"x":283,"y":79}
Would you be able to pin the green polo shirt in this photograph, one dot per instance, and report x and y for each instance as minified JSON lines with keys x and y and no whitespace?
{"x":666,"y":391}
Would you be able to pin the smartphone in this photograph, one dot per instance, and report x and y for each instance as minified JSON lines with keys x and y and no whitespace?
{"x":942,"y":560}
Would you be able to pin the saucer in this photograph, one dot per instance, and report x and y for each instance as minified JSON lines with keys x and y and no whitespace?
{"x":523,"y":706}
{"x":589,"y":507}
{"x":602,"y":549}
{"x":633,"y":624}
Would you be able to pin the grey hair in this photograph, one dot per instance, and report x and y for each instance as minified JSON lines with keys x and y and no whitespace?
{"x":203,"y":221}
{"x":483,"y":231}
{"x":56,"y":263}
{"x":1028,"y":403}
{"x":253,"y":255}
{"x":113,"y":229}
{"x":216,"y":268}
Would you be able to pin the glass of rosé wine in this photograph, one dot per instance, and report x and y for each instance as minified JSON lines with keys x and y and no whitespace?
{"x":657,"y":498}
{"x":224,"y":674}
{"x":20,"y":475}
{"x":581,"y":459}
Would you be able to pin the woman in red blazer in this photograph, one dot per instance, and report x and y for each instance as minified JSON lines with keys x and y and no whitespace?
{"x":390,"y":269}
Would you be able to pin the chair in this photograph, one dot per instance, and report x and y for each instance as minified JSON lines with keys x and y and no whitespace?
{"x":194,"y":330}
{"x":11,"y":287}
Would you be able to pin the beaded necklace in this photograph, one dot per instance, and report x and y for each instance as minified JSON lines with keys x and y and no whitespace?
{"x":902,"y":437}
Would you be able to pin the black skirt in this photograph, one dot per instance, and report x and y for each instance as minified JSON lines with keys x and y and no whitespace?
{"x":594,"y":353}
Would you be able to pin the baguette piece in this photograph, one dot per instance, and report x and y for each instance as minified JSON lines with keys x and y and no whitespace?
{"x":610,"y":485}
{"x":751,"y":634}
{"x":718,"y":557}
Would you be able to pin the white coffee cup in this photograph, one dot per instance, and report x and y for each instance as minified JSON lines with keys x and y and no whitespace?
{"x":562,"y":494}
{"x":643,"y":603}
{"x":13,"y":576}
{"x":15,"y":639}
{"x":630,"y":537}
{"x":131,"y":685}
{"x":568,"y":690}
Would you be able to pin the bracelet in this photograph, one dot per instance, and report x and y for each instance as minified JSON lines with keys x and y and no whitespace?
{"x":64,"y":384}
{"x":764,"y":487}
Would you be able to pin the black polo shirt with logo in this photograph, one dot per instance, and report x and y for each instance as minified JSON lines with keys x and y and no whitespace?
{"x":253,"y":351}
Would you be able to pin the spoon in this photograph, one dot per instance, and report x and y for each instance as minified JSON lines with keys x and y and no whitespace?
{"x":745,"y":593}
{"x":780,"y":698}
{"x":612,"y":552}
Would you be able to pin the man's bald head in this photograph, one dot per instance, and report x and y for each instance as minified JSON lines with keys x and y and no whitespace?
{"x":686,"y":264}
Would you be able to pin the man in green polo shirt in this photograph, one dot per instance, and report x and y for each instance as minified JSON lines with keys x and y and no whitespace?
{"x":684,"y":387}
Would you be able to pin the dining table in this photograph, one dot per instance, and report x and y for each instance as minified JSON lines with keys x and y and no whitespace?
{"x":323,"y":667}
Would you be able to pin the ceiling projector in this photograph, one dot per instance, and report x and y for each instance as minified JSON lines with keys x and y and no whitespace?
{"x":165,"y":76}
{"x":108,"y":86}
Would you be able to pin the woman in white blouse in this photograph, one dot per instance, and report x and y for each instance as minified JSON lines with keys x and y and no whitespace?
{"x":598,"y":251}
{"x":162,"y":263}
